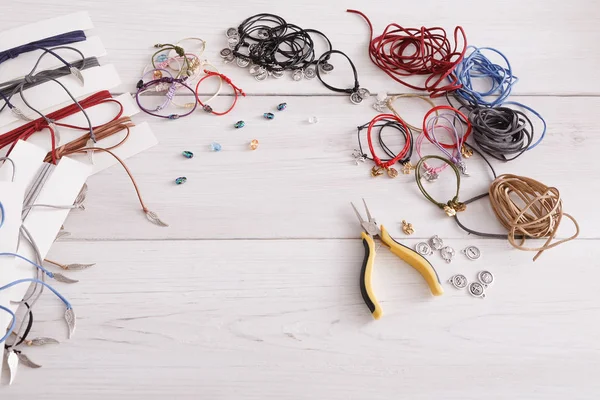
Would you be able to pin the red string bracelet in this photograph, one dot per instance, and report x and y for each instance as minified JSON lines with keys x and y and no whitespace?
{"x":381,"y":165}
{"x":402,"y":52}
{"x":24,"y":132}
{"x":225,"y":79}
{"x":462,"y":117}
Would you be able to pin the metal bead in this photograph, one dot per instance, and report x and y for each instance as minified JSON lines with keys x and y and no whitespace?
{"x":180,"y":180}
{"x":254,"y":144}
{"x":472,"y":252}
{"x":214,"y":146}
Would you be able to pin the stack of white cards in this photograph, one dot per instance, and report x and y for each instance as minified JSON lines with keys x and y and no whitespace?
{"x":71,"y":173}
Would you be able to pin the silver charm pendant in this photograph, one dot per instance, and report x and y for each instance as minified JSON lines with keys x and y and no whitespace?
{"x":447,"y":254}
{"x":71,"y":321}
{"x":355,"y":98}
{"x":436,"y":243}
{"x":233,"y":41}
{"x":231,"y":32}
{"x":12,"y":360}
{"x":26,"y":361}
{"x":472,"y":252}
{"x":458,"y":281}
{"x":297,"y":75}
{"x":19,"y":114}
{"x":476,"y":289}
{"x":242,"y":62}
{"x":310,"y":72}
{"x":61,"y":278}
{"x":225,"y":53}
{"x":431,"y":176}
{"x":277,"y":74}
{"x":325,"y":67}
{"x":358,"y":157}
{"x":462,"y":167}
{"x":262,"y":34}
{"x":261,"y":76}
{"x":486,"y":278}
{"x":364,"y":93}
{"x":423,"y":249}
{"x":77,"y":74}
{"x":255,"y":69}
{"x":380,"y":106}
{"x":78,"y":267}
{"x":41,"y":341}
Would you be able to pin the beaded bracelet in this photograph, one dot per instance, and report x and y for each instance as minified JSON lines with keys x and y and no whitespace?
{"x":236,"y":91}
{"x":452,"y":206}
{"x":170,"y":93}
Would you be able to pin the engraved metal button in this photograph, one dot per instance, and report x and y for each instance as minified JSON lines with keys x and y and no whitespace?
{"x":355,"y":98}
{"x":423,"y":249}
{"x":277,"y":74}
{"x":310,"y":73}
{"x":436,"y":242}
{"x":326,"y":67}
{"x":447,"y":253}
{"x":364,"y":93}
{"x":231,"y":32}
{"x":255,"y":69}
{"x":225,"y":53}
{"x":297,"y":75}
{"x":472,"y":252}
{"x":261,"y":76}
{"x":242,"y":62}
{"x":233,"y":41}
{"x":476,"y":289}
{"x":458,"y":281}
{"x":485,"y":277}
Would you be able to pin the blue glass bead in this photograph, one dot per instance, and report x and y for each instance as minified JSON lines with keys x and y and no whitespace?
{"x":173,"y":116}
{"x":161,"y":58}
{"x":214,"y":146}
{"x":188,"y":154}
{"x":269,"y":115}
{"x":281,"y":106}
{"x":239,"y":124}
{"x":180,"y":180}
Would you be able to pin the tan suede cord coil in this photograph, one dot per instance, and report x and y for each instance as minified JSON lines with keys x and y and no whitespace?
{"x":528,"y":208}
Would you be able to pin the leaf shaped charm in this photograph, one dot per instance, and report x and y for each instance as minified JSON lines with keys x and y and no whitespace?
{"x":19,"y":114}
{"x":82,"y":194}
{"x":53,"y":126}
{"x":61,"y":234}
{"x":90,"y":153}
{"x":78,"y":267}
{"x":61,"y":278}
{"x":40,"y":341}
{"x":152,"y":217}
{"x":70,"y":318}
{"x":77,"y":74}
{"x":26,"y":361}
{"x":12,"y":360}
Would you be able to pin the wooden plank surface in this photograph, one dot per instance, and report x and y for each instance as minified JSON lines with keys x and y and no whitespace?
{"x":252,"y":292}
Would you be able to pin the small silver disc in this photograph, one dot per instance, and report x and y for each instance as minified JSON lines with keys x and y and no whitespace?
{"x":472,"y":252}
{"x":242,"y":62}
{"x":297,"y":75}
{"x":229,"y":59}
{"x":447,"y":253}
{"x":364,"y":93}
{"x":256,"y":69}
{"x":261,"y":76}
{"x":325,"y":67}
{"x":485,"y":277}
{"x":476,"y":289}
{"x":310,"y":73}
{"x":458,"y":281}
{"x":423,"y":249}
{"x":436,"y":243}
{"x":262,"y":34}
{"x":355,"y":98}
{"x":277,"y":74}
{"x":233,"y":41}
{"x":231,"y":32}
{"x":225,"y":53}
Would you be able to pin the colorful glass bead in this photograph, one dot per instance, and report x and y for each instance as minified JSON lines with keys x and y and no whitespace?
{"x":207,"y":108}
{"x":188,"y":154}
{"x":180,"y":180}
{"x":313,"y":120}
{"x":269,"y":115}
{"x":254,"y":144}
{"x":239,"y":124}
{"x":282,"y":106}
{"x":161,"y":58}
{"x":157,"y":74}
{"x":214,"y":146}
{"x":173,"y":116}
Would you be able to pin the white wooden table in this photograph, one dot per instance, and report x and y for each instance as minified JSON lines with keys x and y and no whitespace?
{"x":252,"y":292}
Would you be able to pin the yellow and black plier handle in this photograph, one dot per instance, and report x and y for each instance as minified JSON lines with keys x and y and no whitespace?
{"x":414,"y":259}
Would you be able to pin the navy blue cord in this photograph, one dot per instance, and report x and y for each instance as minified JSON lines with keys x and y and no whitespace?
{"x":58,"y":40}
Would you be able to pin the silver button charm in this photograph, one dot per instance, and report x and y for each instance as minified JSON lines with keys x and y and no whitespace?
{"x":225,"y":53}
{"x":430,"y":175}
{"x":231,"y":32}
{"x":261,"y":76}
{"x":462,"y":167}
{"x":277,"y":74}
{"x":233,"y":41}
{"x":472,"y":252}
{"x":458,"y":281}
{"x":310,"y":73}
{"x":297,"y":75}
{"x":423,"y":249}
{"x":256,"y":70}
{"x":325,"y":67}
{"x":242,"y":62}
{"x":476,"y":289}
{"x":436,"y":243}
{"x":486,"y":278}
{"x":364,"y":93}
{"x":447,"y":253}
{"x":355,"y":98}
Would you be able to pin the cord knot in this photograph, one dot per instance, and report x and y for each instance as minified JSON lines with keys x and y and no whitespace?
{"x":30,"y":79}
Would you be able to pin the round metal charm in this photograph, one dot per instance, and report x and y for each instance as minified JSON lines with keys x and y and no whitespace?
{"x":476,"y":289}
{"x":325,"y":67}
{"x":277,"y":74}
{"x":355,"y":98}
{"x":297,"y":75}
{"x":447,"y":253}
{"x":472,"y":252}
{"x":436,"y":242}
{"x":310,"y":73}
{"x":485,"y":277}
{"x":231,"y":32}
{"x":261,"y":76}
{"x":242,"y":62}
{"x":423,"y":249}
{"x":262,"y":34}
{"x":255,"y":69}
{"x":225,"y":53}
{"x":458,"y":281}
{"x":431,"y":176}
{"x":233,"y":41}
{"x":364,"y":93}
